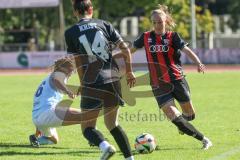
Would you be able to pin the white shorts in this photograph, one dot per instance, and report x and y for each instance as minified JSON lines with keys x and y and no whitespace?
{"x":46,"y":122}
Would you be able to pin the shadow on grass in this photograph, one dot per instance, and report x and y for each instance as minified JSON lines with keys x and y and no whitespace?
{"x":15,"y":145}
{"x":73,"y":153}
{"x":39,"y":152}
{"x":158,"y":149}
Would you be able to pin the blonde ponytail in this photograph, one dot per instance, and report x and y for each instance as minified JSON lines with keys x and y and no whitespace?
{"x":163,"y":10}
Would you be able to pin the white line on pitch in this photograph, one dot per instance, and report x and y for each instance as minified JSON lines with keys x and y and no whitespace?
{"x":226,"y":154}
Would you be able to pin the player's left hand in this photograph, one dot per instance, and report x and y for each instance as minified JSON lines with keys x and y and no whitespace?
{"x":201,"y":68}
{"x":131,"y":79}
{"x":71,"y":94}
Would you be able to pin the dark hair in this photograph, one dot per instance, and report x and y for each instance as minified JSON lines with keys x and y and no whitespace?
{"x":82,"y":6}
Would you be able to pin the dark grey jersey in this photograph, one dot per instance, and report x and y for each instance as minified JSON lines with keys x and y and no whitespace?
{"x":91,"y":40}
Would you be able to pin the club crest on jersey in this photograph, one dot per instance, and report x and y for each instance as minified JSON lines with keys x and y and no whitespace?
{"x":149,"y":40}
{"x":166,"y":41}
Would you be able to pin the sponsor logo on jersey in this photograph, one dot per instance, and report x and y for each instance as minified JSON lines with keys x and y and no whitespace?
{"x":158,"y":48}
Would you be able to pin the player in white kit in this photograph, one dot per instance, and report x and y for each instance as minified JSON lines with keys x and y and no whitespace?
{"x":47,"y":112}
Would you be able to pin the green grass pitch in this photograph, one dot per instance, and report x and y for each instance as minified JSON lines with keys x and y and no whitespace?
{"x":215,"y":97}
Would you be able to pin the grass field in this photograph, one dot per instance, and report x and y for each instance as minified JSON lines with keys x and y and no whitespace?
{"x":216,"y":99}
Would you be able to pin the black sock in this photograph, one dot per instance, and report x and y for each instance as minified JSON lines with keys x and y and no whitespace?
{"x":187,"y":128}
{"x":121,"y":138}
{"x":93,"y":136}
{"x":189,"y":118}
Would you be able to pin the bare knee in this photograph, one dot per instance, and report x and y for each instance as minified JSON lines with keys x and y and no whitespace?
{"x":170,"y":110}
{"x":188,"y":111}
{"x":110,"y":117}
{"x":110,"y":124}
{"x":187,"y":108}
{"x":90,"y":119}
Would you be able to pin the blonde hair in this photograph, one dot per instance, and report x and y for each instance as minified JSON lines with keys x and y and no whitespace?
{"x":62,"y":63}
{"x":163,"y":10}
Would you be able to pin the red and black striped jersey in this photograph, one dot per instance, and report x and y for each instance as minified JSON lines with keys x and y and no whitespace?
{"x":163,"y":55}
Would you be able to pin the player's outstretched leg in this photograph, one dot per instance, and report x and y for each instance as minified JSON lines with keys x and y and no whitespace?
{"x":206,"y":143}
{"x":183,"y":125}
{"x":46,"y":136}
{"x":95,"y":137}
{"x":188,"y":111}
{"x":190,"y":130}
{"x":121,"y":138}
{"x":108,"y":152}
{"x":119,"y":135}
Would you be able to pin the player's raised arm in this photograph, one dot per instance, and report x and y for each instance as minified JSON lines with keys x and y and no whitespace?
{"x":58,"y":79}
{"x":62,"y":71}
{"x":194,"y":58}
{"x":131,"y":80}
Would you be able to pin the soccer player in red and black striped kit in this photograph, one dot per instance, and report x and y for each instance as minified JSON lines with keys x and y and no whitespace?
{"x":162,"y":47}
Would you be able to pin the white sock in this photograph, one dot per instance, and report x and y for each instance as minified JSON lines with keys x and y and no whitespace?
{"x":130,"y":158}
{"x":104,"y":145}
{"x":205,"y":138}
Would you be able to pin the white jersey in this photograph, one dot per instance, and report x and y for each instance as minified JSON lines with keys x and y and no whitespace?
{"x":46,"y":97}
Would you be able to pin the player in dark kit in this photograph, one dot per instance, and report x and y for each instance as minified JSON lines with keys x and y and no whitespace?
{"x":162,"y":47}
{"x":90,"y":42}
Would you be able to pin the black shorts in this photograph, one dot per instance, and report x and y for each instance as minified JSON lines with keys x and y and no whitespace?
{"x":98,"y":96}
{"x":178,"y":90}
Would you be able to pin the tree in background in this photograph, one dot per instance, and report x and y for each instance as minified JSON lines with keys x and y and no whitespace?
{"x":180,"y":10}
{"x":114,"y":11}
{"x":46,"y":22}
{"x":34,"y":23}
{"x":234,"y":11}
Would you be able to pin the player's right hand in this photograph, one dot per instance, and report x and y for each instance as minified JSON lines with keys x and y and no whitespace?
{"x":131,"y":79}
{"x":201,"y":68}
